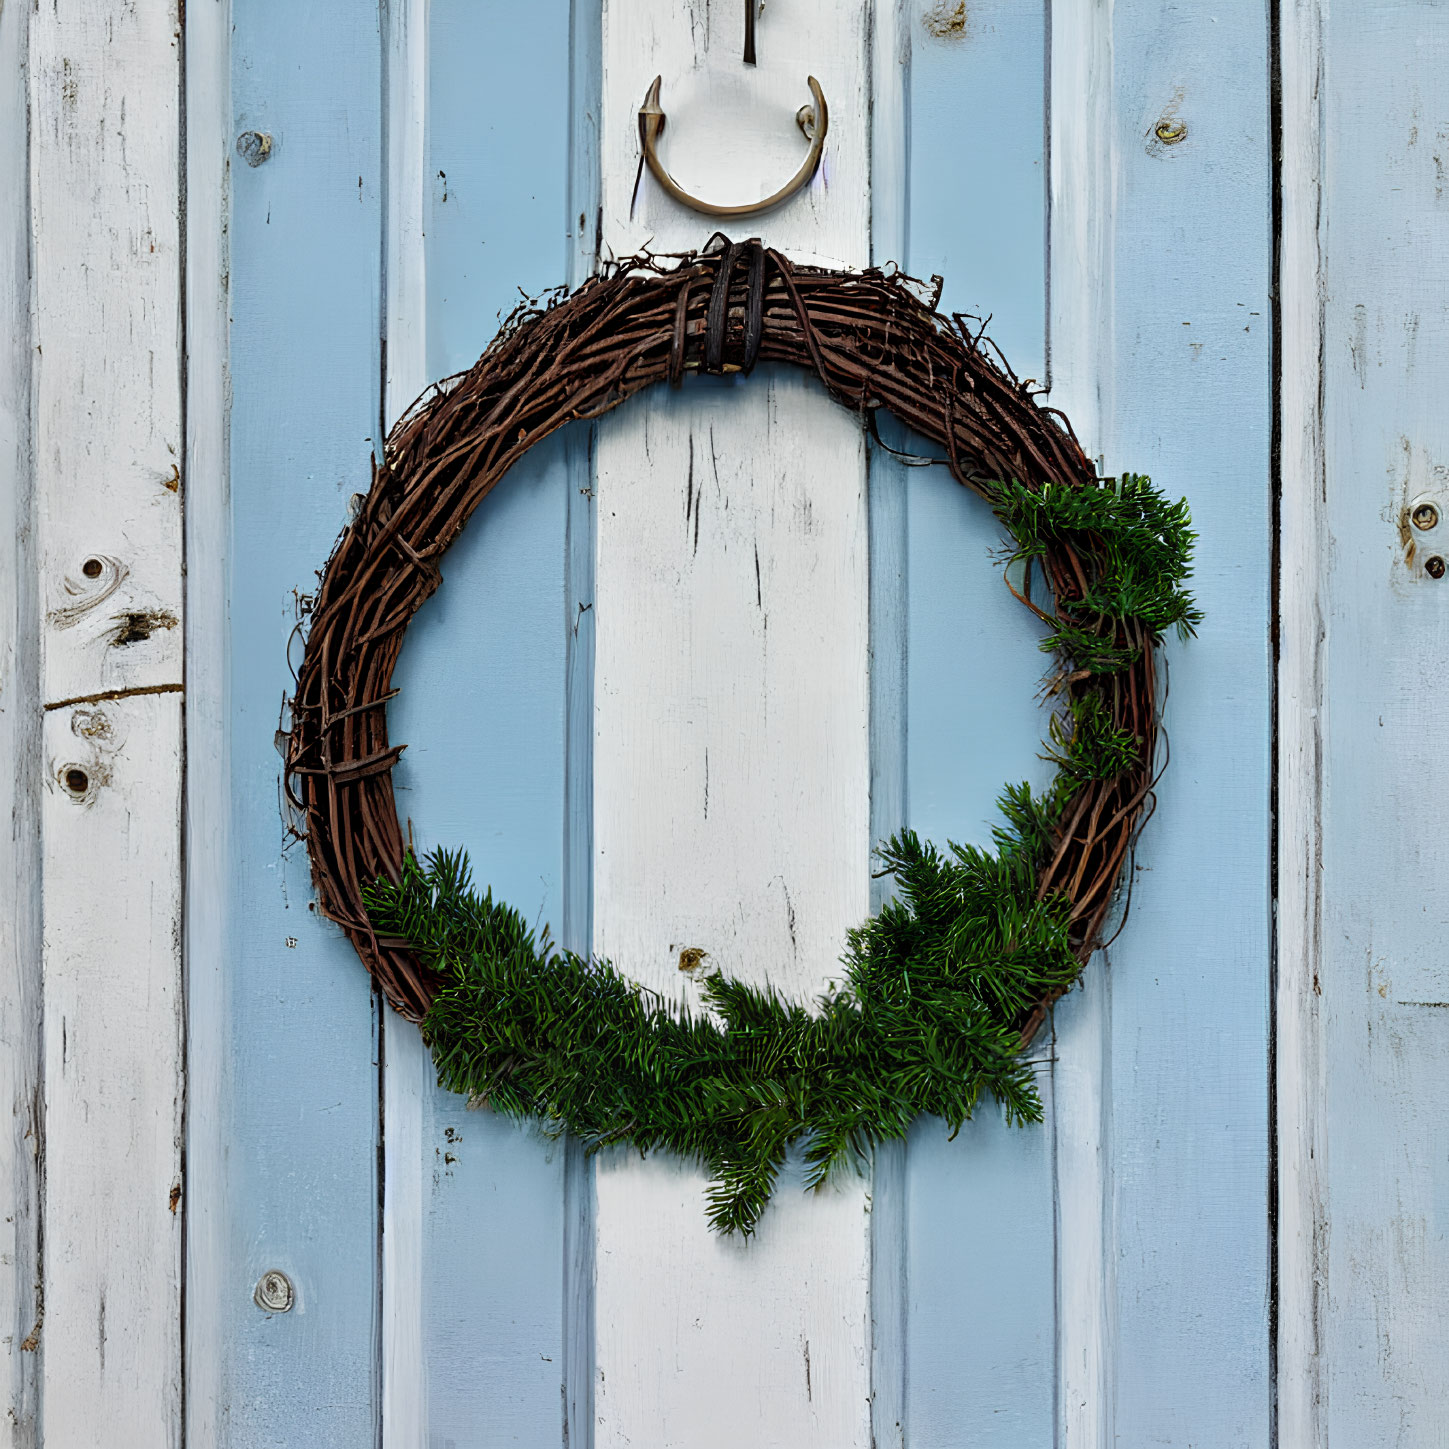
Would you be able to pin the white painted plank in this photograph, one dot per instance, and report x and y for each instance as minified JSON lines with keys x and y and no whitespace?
{"x":112,"y":1335}
{"x":1080,"y":251}
{"x":1302,"y":1228}
{"x":105,"y":199}
{"x":20,"y":983}
{"x":1364,"y":990}
{"x":731,"y":135}
{"x":888,"y":550}
{"x":406,"y":1066}
{"x":105,"y":192}
{"x":731,"y":764}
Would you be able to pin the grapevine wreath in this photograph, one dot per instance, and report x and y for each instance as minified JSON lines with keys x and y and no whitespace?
{"x":944,"y":987}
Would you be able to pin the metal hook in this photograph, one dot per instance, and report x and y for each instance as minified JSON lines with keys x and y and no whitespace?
{"x":813,"y":122}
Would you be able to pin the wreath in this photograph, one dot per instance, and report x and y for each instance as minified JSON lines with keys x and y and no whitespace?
{"x":940,"y":991}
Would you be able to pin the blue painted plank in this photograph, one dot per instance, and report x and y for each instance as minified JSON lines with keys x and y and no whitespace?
{"x":483,"y":702}
{"x":977,"y":166}
{"x":302,"y":1095}
{"x":1188,"y":1032}
{"x":980,"y":1345}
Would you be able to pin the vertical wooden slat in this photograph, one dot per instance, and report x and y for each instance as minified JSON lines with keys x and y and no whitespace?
{"x":107,"y":395}
{"x":474,"y":1238}
{"x":731,"y":760}
{"x":1364,"y":998}
{"x":407,"y":1075}
{"x":1182,"y":357}
{"x":299,"y":1101}
{"x":980,"y":1259}
{"x":22,"y":1124}
{"x":1080,"y":313}
{"x":210,"y":1289}
{"x":1303,"y":1287}
{"x":888,"y":550}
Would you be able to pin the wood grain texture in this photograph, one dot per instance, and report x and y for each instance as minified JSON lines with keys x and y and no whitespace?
{"x":1300,"y":1127}
{"x":106,"y":270}
{"x":111,"y":1338}
{"x":889,"y":661}
{"x":211,"y":1290}
{"x":104,"y":197}
{"x":1183,"y":378}
{"x":1080,"y":322}
{"x":406,"y":1065}
{"x":299,"y":1103}
{"x":474,"y":1340}
{"x":731,"y":756}
{"x":1364,"y":1148}
{"x":979,"y":1223}
{"x":21,"y":1118}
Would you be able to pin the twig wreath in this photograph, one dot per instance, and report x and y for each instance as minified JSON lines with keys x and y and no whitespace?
{"x":944,"y":987}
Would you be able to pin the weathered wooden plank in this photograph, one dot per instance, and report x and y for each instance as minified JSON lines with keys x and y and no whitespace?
{"x":1300,"y":1126}
{"x":211,"y":1292}
{"x":111,"y":821}
{"x":407,"y":1077}
{"x":731,"y":760}
{"x":104,"y":198}
{"x":1364,"y":1151}
{"x":1080,"y":337}
{"x":1183,"y":1172}
{"x":299,"y":1106}
{"x":888,"y":549}
{"x":980,"y":1257}
{"x":107,"y":444}
{"x":473,"y":1233}
{"x":21,"y":1120}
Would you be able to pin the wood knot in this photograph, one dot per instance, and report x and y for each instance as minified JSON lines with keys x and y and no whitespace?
{"x":690,"y":957}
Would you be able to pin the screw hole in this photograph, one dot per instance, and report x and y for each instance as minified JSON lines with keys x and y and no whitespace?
{"x":254,"y":147}
{"x":1434,"y":567}
{"x":77,"y":781}
{"x":92,"y":567}
{"x":1425,"y":516}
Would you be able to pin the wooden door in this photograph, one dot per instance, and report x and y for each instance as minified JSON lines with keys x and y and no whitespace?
{"x":689,"y":664}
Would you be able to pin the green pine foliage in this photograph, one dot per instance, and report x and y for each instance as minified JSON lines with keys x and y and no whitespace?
{"x":927,"y":1013}
{"x":1139,"y":545}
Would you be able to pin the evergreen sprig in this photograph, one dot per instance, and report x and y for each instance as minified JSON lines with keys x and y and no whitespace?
{"x":927,"y":1015}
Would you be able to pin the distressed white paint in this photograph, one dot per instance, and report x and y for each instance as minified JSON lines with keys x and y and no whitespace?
{"x":111,"y":1340}
{"x":407,"y":1069}
{"x":1363,"y":987}
{"x":1302,"y":1158}
{"x":21,"y":1125}
{"x":105,"y":189}
{"x":1080,"y":252}
{"x":104,"y":193}
{"x":731,"y":764}
{"x":888,"y":548}
{"x":210,"y":1295}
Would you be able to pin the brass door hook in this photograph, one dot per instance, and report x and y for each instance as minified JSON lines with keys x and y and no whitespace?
{"x":813,"y":121}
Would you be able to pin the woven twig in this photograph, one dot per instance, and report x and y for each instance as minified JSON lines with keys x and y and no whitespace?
{"x":872,"y":342}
